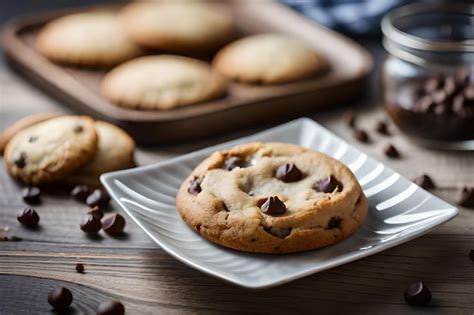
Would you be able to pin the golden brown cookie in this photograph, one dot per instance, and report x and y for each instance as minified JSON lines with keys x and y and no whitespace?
{"x":93,"y":38}
{"x":114,"y":152}
{"x":272,"y":198}
{"x":21,"y":124}
{"x":268,"y":59}
{"x":178,"y":25}
{"x":51,"y":150}
{"x":162,"y":82}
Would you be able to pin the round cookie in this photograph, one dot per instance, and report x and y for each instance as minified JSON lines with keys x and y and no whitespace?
{"x":268,"y":59}
{"x":272,"y":198}
{"x":21,"y":124}
{"x":162,"y":82}
{"x":177,"y":25}
{"x":50,"y":150}
{"x":114,"y":152}
{"x":93,"y":38}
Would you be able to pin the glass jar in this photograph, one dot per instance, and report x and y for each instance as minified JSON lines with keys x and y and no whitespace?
{"x":428,"y":74}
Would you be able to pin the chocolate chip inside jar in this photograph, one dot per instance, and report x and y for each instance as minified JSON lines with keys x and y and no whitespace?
{"x":440,"y":107}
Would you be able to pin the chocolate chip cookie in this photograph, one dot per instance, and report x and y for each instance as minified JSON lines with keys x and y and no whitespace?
{"x":162,"y":82}
{"x":268,"y":59}
{"x":114,"y":152}
{"x":272,"y":198}
{"x":94,"y":39}
{"x":50,"y":150}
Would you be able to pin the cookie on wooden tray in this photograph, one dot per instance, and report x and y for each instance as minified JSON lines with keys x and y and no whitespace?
{"x":21,"y":124}
{"x":93,"y":38}
{"x":162,"y":82}
{"x":272,"y":198}
{"x":178,"y":25}
{"x":268,"y":59}
{"x":50,"y":150}
{"x":114,"y":152}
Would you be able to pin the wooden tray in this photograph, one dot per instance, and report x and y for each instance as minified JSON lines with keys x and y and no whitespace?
{"x":244,"y":105}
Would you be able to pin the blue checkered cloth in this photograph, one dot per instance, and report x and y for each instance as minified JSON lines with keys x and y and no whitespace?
{"x":352,"y":17}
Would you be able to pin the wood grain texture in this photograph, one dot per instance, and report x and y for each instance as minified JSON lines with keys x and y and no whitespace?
{"x":148,"y":281}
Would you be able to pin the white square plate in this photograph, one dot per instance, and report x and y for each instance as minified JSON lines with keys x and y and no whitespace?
{"x":399,"y":211}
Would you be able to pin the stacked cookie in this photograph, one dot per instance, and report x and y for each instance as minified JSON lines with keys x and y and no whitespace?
{"x":167,"y":30}
{"x":49,"y":148}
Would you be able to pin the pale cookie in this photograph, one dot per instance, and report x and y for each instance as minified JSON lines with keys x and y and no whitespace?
{"x":177,"y":25}
{"x":268,"y":59}
{"x":272,"y":198}
{"x":114,"y":152}
{"x":93,"y":39}
{"x":162,"y":82}
{"x":50,"y":150}
{"x":21,"y":124}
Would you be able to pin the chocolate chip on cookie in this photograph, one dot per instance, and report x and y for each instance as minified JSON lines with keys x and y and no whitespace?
{"x":195,"y":186}
{"x":233,"y":162}
{"x":273,"y":206}
{"x":20,"y":160}
{"x":288,"y":172}
{"x":32,"y":139}
{"x":334,"y":222}
{"x":329,"y":185}
{"x":78,"y":129}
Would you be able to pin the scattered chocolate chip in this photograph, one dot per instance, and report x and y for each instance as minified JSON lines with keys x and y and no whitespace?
{"x":288,"y":172}
{"x":15,"y":238}
{"x":60,"y":298}
{"x":471,"y":254}
{"x":80,"y":192}
{"x":32,"y":138}
{"x":466,"y":197}
{"x":194,"y":186}
{"x":20,"y":160}
{"x":329,"y":185}
{"x":273,"y":206}
{"x":233,"y":162}
{"x":391,"y":151}
{"x":28,"y":217}
{"x":98,"y":198}
{"x":382,"y":128}
{"x":113,"y":224}
{"x":334,"y":222}
{"x":80,"y":268}
{"x":417,"y":294}
{"x":78,"y":129}
{"x":31,"y":194}
{"x":111,"y":308}
{"x":350,"y":119}
{"x":425,"y":182}
{"x":96,"y":212}
{"x":91,"y":224}
{"x":361,"y":135}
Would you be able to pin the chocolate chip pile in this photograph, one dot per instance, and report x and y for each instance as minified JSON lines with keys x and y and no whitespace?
{"x":447,"y":95}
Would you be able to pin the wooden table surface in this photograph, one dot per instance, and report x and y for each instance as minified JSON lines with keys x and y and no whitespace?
{"x":137,"y":272}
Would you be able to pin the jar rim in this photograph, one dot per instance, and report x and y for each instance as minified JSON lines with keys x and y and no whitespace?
{"x":411,"y":41}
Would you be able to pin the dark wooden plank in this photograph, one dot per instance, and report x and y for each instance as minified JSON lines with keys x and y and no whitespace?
{"x":152,"y":278}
